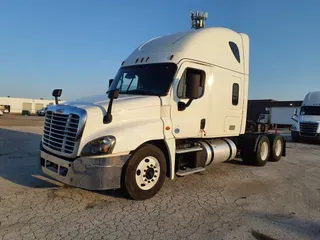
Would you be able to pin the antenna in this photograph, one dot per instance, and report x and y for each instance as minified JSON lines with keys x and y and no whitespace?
{"x":198,"y":19}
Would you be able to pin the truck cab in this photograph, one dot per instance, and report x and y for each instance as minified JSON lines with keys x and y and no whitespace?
{"x":177,"y":105}
{"x":307,"y":119}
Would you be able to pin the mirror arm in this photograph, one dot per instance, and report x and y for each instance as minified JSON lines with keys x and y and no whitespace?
{"x":108,"y":117}
{"x":294,"y":118}
{"x":189,"y":102}
{"x":182,"y":106}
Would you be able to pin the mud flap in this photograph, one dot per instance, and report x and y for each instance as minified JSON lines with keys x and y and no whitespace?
{"x":284,"y":150}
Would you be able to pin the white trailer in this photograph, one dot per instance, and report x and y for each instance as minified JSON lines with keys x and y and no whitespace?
{"x":282,"y":116}
{"x":177,"y":105}
{"x":307,"y":119}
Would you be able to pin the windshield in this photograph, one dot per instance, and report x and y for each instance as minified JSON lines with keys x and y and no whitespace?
{"x":147,"y":79}
{"x":310,"y":110}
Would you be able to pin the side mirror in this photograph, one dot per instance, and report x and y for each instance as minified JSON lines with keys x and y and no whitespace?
{"x":193,"y":86}
{"x":193,"y":89}
{"x":110,"y":82}
{"x":114,"y":94}
{"x":56,"y":94}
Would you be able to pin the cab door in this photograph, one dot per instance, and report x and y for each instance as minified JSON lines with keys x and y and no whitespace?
{"x":189,"y":116}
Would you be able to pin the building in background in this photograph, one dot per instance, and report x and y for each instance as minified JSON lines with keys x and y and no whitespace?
{"x":17,"y":105}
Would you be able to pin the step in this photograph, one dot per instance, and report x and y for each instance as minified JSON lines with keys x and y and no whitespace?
{"x":189,"y":171}
{"x":186,"y":150}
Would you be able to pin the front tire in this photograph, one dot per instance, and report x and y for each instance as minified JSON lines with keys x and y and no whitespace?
{"x":144,"y":173}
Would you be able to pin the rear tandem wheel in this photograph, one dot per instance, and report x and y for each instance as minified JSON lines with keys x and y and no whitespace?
{"x":258,"y":156}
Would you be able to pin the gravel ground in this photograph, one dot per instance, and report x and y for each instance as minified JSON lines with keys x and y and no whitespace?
{"x":227,"y":201}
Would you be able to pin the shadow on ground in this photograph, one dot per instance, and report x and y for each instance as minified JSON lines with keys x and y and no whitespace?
{"x":20,"y":164}
{"x":287,"y":222}
{"x":236,"y":162}
{"x":309,"y":141}
{"x":19,"y":158}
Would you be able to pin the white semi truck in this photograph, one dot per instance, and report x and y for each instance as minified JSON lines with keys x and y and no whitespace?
{"x":307,"y":119}
{"x":177,"y":104}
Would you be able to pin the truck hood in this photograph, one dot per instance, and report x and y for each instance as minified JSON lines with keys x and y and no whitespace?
{"x":99,"y":104}
{"x":135,"y":119}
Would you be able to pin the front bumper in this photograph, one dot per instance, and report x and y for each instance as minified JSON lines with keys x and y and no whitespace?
{"x":84,"y":172}
{"x":305,"y":136}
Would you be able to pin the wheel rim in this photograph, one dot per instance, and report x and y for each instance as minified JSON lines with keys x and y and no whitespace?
{"x":278,"y":147}
{"x":147,"y":173}
{"x":264,"y":151}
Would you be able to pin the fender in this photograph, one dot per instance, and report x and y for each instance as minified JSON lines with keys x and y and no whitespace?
{"x":129,"y":135}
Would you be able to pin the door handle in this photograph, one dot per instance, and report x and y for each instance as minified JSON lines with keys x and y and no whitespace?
{"x":202,"y":123}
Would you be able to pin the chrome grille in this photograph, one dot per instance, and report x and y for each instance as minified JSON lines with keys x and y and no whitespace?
{"x":308,"y":128}
{"x":60,"y":131}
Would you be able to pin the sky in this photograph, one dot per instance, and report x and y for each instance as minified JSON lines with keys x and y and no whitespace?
{"x":79,"y":45}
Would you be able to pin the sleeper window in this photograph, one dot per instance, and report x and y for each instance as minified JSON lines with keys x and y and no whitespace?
{"x":235,"y":94}
{"x":235,"y":51}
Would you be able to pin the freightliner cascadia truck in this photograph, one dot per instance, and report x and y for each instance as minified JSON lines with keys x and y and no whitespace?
{"x":177,"y":105}
{"x":307,"y":119}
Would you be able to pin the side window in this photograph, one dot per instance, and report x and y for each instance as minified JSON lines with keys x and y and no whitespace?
{"x":181,"y":91}
{"x":235,"y":94}
{"x":235,"y":50}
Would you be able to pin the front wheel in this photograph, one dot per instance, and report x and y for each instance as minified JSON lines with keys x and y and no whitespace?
{"x":144,"y":173}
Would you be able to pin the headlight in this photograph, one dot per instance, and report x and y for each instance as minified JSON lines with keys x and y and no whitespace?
{"x":99,"y":146}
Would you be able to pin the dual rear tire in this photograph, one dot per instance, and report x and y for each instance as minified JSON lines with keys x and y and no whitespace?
{"x":268,"y":148}
{"x":277,"y":147}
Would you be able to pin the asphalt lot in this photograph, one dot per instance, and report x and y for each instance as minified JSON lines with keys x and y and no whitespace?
{"x":227,"y":201}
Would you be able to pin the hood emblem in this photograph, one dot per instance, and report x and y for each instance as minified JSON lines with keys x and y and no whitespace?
{"x":59,"y":110}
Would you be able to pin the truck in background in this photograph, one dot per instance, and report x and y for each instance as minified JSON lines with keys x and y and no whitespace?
{"x":275,"y":118}
{"x":177,"y":105}
{"x":307,"y":119}
{"x":5,"y":109}
{"x":42,"y":112}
